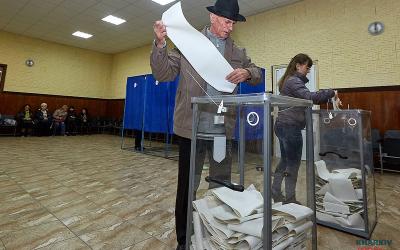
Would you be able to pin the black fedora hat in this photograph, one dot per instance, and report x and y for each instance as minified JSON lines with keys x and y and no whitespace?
{"x":228,"y":9}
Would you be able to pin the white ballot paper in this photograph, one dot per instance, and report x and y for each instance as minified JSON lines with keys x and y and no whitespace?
{"x":255,"y":227}
{"x":292,"y":212}
{"x":342,"y":189}
{"x":198,"y":232}
{"x":225,"y":214}
{"x":323,"y":172}
{"x":242,"y":203}
{"x":354,"y":221}
{"x":198,"y":50}
{"x":333,"y":204}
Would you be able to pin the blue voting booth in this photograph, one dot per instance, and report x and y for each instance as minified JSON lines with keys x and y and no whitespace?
{"x":149,"y":104}
{"x":149,"y":107}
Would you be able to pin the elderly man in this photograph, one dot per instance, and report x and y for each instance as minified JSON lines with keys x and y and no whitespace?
{"x":43,"y":120}
{"x":167,"y":65}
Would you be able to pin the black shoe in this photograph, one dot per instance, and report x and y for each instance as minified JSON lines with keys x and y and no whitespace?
{"x":181,"y":247}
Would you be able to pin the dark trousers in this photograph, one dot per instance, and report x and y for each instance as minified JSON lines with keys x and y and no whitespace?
{"x":43,"y":128}
{"x":59,"y":126}
{"x":217,"y":170}
{"x":72,"y":127}
{"x":291,"y":145}
{"x":182,"y":190}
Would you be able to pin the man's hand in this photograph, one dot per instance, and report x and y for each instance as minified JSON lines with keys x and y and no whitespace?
{"x":160,"y":33}
{"x":238,"y":75}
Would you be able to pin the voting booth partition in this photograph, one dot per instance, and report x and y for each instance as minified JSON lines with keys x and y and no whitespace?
{"x":149,"y":108}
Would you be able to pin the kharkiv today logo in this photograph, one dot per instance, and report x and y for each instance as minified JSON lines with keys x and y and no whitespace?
{"x":373,"y":244}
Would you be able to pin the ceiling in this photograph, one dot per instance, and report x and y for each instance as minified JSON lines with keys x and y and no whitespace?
{"x":56,"y":20}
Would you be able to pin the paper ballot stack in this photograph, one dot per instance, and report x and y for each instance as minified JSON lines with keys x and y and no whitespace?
{"x":339,"y":197}
{"x":226,"y":219}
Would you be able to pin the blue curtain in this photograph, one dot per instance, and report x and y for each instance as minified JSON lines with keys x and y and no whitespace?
{"x":246,"y":88}
{"x":253,"y":113}
{"x":149,"y":104}
{"x":156,"y":106}
{"x":134,"y":102}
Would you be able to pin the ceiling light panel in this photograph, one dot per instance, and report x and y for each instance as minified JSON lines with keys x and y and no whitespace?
{"x":82,"y":34}
{"x":113,"y":19}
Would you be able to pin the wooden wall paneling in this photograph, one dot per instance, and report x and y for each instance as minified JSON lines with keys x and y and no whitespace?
{"x":383,"y":102}
{"x":12,"y":103}
{"x":115,"y":108}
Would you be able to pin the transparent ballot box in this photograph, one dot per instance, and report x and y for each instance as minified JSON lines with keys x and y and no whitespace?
{"x":231,"y":201}
{"x":344,"y":185}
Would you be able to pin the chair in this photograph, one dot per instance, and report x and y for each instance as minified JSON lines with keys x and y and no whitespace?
{"x":390,"y":151}
{"x":117,"y":127}
{"x":104,"y":124}
{"x":95,"y":124}
{"x":8,"y":125}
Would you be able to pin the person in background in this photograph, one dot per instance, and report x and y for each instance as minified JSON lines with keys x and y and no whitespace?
{"x":59,"y":117}
{"x":25,"y":120}
{"x":43,"y":120}
{"x":167,"y":65}
{"x":84,"y":121}
{"x":71,"y":121}
{"x":290,"y":122}
{"x":138,"y":139}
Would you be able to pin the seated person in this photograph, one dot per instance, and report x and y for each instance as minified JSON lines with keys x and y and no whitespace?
{"x":25,"y":120}
{"x":71,"y":121}
{"x":84,"y":121}
{"x":59,"y":117}
{"x":43,"y":120}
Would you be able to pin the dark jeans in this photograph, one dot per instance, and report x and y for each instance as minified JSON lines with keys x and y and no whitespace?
{"x":218,"y":170}
{"x":26,"y":127}
{"x":291,"y":144}
{"x":72,"y":126}
{"x":59,"y":126}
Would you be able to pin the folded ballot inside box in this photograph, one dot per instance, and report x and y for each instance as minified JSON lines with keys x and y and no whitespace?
{"x":242,"y":203}
{"x":225,"y":219}
{"x":339,"y":196}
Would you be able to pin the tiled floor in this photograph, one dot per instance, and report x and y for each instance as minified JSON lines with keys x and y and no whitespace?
{"x":84,"y":192}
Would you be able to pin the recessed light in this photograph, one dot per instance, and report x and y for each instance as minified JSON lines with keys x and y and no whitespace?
{"x":163,"y":2}
{"x":113,"y":19}
{"x":82,"y":34}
